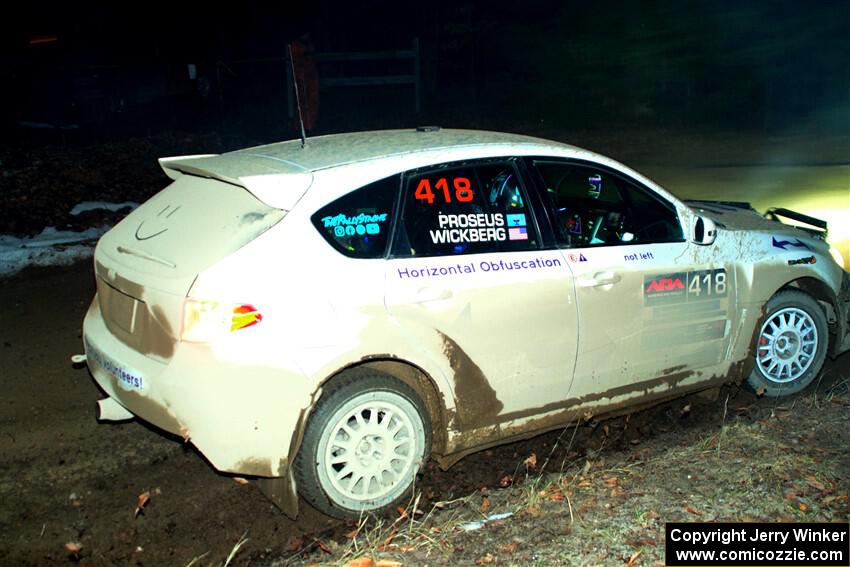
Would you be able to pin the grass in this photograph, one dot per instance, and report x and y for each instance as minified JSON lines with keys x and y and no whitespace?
{"x":606,"y":506}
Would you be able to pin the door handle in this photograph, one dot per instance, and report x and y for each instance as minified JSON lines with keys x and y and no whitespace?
{"x":426,"y":294}
{"x":599,"y":279}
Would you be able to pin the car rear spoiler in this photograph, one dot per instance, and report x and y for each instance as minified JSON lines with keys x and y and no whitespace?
{"x":278,"y":183}
{"x":816,"y":227}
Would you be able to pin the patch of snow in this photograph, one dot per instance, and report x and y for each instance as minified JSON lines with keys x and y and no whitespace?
{"x":49,"y":248}
{"x":98,"y":205}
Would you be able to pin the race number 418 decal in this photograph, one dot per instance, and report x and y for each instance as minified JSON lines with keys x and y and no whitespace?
{"x":683,"y":287}
{"x":707,"y":283}
{"x":461,"y":190}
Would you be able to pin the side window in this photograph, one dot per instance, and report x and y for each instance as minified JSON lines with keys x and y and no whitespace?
{"x":470,"y":209}
{"x":358,"y":224}
{"x":590,"y":206}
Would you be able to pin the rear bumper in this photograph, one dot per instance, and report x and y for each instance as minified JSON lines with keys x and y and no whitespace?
{"x":243,"y":417}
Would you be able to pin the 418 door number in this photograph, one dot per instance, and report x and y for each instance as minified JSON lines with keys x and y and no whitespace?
{"x":706,"y":283}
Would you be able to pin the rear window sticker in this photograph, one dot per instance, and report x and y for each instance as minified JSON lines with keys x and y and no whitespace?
{"x":516,"y":220}
{"x":784,"y":244}
{"x":470,"y":227}
{"x":438,"y":190}
{"x":518,"y":233}
{"x":595,"y":186}
{"x":344,"y":220}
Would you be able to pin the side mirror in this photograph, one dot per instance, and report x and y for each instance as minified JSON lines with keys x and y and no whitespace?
{"x":703,"y":230}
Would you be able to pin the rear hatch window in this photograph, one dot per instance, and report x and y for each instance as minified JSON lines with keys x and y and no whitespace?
{"x":182,"y":230}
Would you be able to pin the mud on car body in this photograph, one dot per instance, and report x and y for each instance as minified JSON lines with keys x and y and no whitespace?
{"x":326,"y":318}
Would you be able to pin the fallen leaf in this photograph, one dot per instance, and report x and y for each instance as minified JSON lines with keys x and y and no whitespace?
{"x":558,"y":497}
{"x":692,"y":511}
{"x":360,"y":562}
{"x":389,"y":539}
{"x":402,"y":511}
{"x":406,"y":548}
{"x":685,"y":410}
{"x":633,"y":559}
{"x":353,"y":533}
{"x":802,"y":507}
{"x":486,"y":560}
{"x":613,"y":481}
{"x":531,"y":461}
{"x":605,"y":430}
{"x":760,"y":392}
{"x":533,"y":511}
{"x":324,"y":547}
{"x":815,"y":483}
{"x":485,"y":505}
{"x":506,"y":480}
{"x":73,"y":547}
{"x":142,"y":501}
{"x":241,"y":481}
{"x":508,"y":547}
{"x":295,"y":543}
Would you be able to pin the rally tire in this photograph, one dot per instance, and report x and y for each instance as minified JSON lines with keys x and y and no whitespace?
{"x":363,"y":445}
{"x":791,"y":345}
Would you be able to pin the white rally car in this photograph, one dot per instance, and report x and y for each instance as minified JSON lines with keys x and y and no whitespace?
{"x":325,"y":318}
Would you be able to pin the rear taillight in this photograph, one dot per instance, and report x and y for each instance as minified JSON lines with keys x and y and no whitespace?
{"x":205,"y":321}
{"x":244,"y":316}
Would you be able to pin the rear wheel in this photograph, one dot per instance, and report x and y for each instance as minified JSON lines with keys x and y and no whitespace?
{"x":363,"y":445}
{"x":791,"y":345}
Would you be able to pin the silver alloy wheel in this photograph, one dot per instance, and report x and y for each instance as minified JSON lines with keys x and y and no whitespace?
{"x":370,"y":450}
{"x":787,"y":344}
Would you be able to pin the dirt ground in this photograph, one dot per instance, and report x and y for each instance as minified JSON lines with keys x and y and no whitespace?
{"x":595,"y":494}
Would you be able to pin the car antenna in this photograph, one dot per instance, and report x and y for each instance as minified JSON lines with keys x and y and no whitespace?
{"x":297,"y":99}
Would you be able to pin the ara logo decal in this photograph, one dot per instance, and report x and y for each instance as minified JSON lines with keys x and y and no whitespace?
{"x":665,"y":288}
{"x":664,"y":284}
{"x":784,"y":244}
{"x":157,"y":223}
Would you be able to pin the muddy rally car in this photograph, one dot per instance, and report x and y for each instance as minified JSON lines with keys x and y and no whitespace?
{"x":326,"y":318}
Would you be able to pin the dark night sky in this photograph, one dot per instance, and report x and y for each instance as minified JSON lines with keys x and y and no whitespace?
{"x":755,"y":62}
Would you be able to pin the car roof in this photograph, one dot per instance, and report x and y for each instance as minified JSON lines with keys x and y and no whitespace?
{"x":280,"y":173}
{"x":339,"y":149}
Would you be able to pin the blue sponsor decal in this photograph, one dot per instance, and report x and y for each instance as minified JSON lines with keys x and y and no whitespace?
{"x":516,"y":220}
{"x":362,"y":218}
{"x":784,"y":244}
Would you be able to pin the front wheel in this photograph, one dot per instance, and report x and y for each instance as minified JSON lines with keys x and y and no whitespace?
{"x":363,"y":445}
{"x":791,"y":345}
